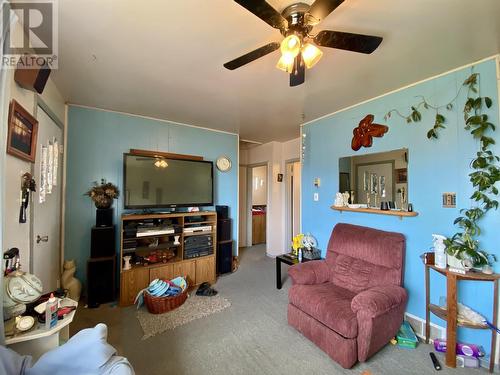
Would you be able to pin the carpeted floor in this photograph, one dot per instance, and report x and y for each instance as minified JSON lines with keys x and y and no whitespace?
{"x":250,"y":337}
{"x":195,"y":307}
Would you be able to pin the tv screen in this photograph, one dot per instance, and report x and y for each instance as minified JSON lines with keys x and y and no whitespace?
{"x":151,"y":182}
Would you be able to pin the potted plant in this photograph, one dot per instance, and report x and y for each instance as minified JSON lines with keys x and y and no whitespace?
{"x":103,"y":194}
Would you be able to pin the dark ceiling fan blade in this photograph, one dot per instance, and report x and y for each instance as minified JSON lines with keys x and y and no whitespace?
{"x":265,"y":12}
{"x":298,"y":75}
{"x":322,"y":8}
{"x":251,"y":56}
{"x":347,"y":41}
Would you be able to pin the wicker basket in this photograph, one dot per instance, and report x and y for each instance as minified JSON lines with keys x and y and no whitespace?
{"x":160,"y":305}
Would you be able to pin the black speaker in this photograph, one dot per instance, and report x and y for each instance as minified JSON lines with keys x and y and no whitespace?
{"x":102,"y":242}
{"x":223,"y":230}
{"x":100,"y":281}
{"x":222,"y":212}
{"x":224,"y":257}
{"x":104,"y":217}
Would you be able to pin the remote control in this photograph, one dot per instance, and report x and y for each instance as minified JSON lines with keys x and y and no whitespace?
{"x":435,"y":361}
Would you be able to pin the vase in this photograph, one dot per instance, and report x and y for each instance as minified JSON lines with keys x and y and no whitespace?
{"x":69,"y":282}
{"x":103,"y":201}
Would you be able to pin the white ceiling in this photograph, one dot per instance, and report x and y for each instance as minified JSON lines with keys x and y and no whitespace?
{"x":164,"y":58}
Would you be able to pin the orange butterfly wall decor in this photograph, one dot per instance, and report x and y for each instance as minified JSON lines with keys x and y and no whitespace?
{"x":365,"y":131}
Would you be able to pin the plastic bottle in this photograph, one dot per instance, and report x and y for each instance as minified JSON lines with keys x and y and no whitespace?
{"x":51,"y":312}
{"x":300,"y":255}
{"x":439,"y":251}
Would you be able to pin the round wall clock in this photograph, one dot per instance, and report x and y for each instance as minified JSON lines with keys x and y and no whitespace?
{"x":223,"y":163}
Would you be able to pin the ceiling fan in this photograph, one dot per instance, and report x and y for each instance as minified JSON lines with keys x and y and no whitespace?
{"x":295,"y":24}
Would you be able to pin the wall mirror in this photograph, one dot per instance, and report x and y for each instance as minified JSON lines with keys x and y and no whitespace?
{"x":371,"y":179}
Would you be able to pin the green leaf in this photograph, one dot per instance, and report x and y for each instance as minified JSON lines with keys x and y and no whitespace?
{"x":488,"y":102}
{"x":415,"y":115}
{"x":440,"y":118}
{"x":431,"y":134}
{"x":477,"y":103}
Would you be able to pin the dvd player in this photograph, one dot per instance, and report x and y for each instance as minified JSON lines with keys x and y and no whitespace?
{"x":194,"y":229}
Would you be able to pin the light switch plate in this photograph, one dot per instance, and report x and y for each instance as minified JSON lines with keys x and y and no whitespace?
{"x":316,"y":197}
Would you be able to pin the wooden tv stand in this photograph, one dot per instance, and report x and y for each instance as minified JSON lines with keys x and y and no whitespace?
{"x":196,"y":270}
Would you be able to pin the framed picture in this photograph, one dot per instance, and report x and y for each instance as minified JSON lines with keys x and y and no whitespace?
{"x":401,"y":175}
{"x":22,"y":133}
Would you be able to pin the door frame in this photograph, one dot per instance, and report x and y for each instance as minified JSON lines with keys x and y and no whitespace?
{"x":39,"y":102}
{"x":250,"y":168}
{"x":289,"y":204}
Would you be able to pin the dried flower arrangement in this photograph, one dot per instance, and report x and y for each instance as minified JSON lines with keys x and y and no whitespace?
{"x":103,"y":194}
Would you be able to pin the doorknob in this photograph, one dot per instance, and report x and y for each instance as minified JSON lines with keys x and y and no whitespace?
{"x":42,"y":238}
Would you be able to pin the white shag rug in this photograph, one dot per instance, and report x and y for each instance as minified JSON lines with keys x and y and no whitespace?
{"x":195,"y":307}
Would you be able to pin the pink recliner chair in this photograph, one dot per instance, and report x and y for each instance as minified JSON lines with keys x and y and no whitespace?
{"x":351,"y":304}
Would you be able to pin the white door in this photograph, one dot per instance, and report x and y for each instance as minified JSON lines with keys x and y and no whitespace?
{"x":47,"y":215}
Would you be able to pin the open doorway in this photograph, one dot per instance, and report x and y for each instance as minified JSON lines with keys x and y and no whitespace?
{"x":258,"y":198}
{"x":293,"y":180}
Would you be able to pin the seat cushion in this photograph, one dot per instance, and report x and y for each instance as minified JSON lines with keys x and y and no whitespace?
{"x":327,"y":303}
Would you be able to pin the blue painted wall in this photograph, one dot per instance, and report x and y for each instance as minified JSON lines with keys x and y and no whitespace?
{"x":434,"y":167}
{"x":96,"y":143}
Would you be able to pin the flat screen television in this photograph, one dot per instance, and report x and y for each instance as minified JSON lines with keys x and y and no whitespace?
{"x":152,"y":182}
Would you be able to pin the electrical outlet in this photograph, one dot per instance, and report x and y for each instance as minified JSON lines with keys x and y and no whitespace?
{"x":316,"y":197}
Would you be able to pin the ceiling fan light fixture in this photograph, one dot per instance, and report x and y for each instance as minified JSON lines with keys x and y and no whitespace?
{"x":290,"y":45}
{"x":161,"y":163}
{"x":311,"y":54}
{"x":285,"y":63}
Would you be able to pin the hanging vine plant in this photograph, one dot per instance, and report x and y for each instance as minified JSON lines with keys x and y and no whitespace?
{"x":486,"y":171}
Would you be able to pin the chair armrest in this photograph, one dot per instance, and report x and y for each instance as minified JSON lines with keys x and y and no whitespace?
{"x":379,"y":300}
{"x":312,"y":272}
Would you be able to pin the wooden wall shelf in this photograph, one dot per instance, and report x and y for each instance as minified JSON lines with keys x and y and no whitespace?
{"x":376,"y":211}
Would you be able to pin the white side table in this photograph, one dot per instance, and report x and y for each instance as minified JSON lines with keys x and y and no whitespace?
{"x":39,"y":340}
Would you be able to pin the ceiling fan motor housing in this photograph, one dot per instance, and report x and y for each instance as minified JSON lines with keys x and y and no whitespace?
{"x":295,"y":16}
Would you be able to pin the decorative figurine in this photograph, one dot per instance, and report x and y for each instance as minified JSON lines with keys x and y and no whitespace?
{"x":69,"y":282}
{"x":27,"y":185}
{"x":126,"y":260}
{"x":339,"y":200}
{"x":345,"y":198}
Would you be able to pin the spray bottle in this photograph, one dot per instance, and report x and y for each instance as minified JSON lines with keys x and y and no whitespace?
{"x":439,"y":250}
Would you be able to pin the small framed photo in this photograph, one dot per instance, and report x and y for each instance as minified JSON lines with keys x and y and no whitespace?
{"x":401,"y":176}
{"x":280,"y":177}
{"x":22,"y":133}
